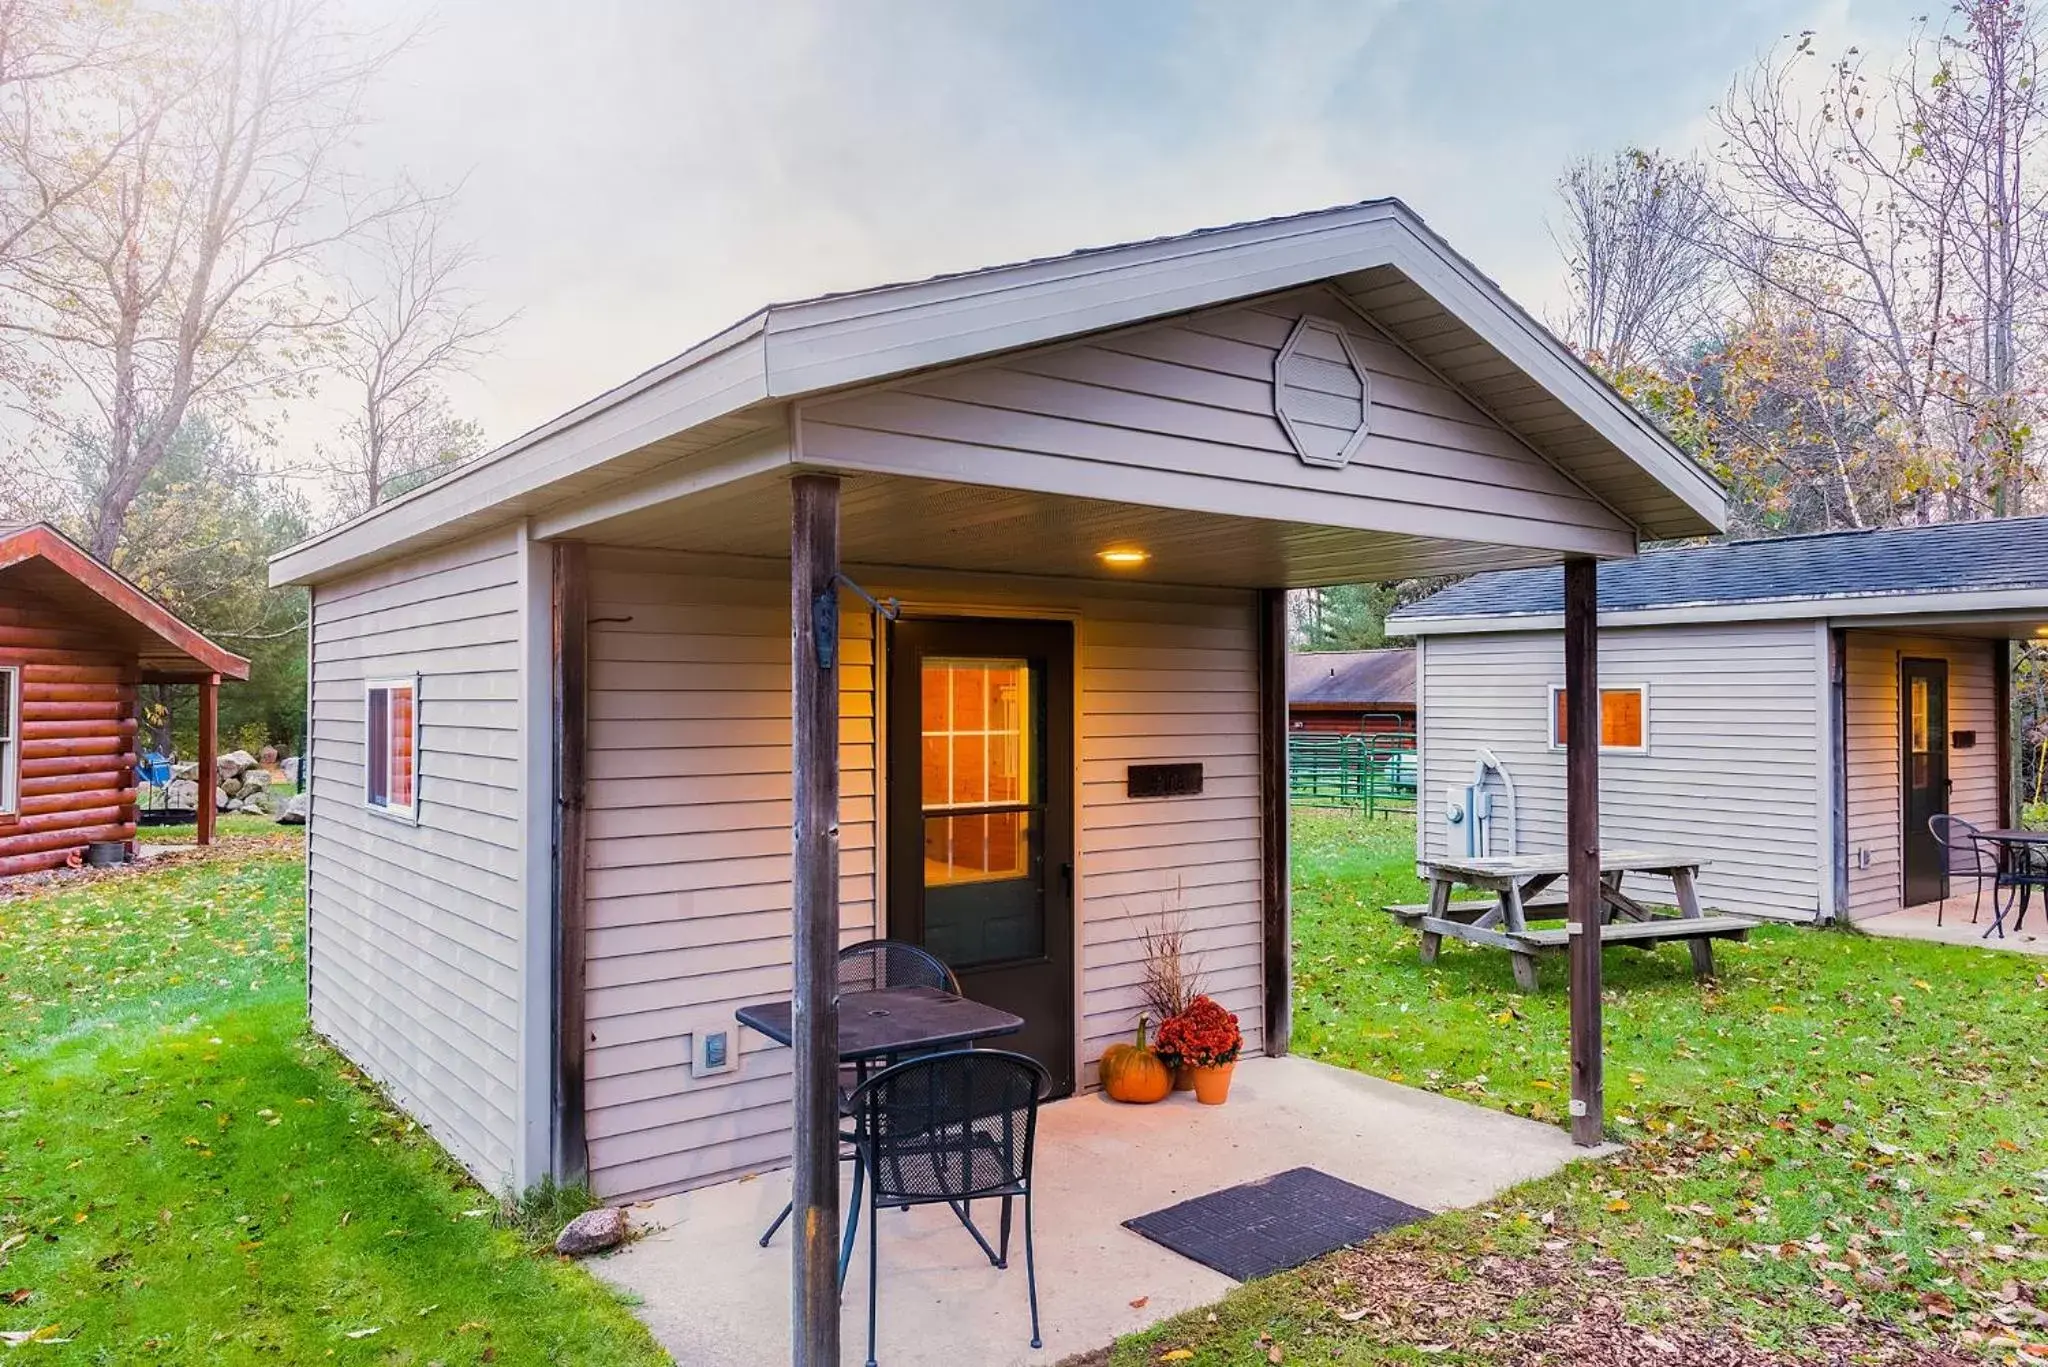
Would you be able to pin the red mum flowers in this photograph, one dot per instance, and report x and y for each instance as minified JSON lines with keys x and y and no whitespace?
{"x":1203,"y":1036}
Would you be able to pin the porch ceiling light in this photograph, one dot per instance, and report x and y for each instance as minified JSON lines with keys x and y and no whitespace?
{"x":1123,"y":557}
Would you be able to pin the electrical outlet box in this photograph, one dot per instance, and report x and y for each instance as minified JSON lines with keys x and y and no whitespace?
{"x":714,"y":1048}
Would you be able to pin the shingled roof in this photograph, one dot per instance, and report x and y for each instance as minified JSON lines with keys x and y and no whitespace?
{"x":1864,"y":566}
{"x":1352,"y":678}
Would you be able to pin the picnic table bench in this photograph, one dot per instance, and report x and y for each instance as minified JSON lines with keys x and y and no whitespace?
{"x":1523,"y":889}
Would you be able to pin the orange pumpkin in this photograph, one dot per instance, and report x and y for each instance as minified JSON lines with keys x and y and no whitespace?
{"x":1133,"y":1073}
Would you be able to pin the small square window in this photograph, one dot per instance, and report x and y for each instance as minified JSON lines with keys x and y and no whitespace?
{"x":1624,"y":718}
{"x":391,"y":747}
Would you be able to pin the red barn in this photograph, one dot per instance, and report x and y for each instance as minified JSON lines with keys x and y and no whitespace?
{"x":1351,"y":691}
{"x":76,"y":641}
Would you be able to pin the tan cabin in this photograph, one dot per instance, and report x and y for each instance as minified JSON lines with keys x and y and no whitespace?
{"x":551,"y":736}
{"x":1796,"y":708}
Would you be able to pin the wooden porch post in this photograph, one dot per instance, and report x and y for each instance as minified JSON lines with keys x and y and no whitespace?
{"x":814,"y":699}
{"x":1582,"y":843}
{"x":1278,"y":929}
{"x":2001,"y":707}
{"x":209,"y":753}
{"x":571,"y":603}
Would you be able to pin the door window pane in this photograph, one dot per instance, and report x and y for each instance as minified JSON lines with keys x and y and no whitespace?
{"x":976,"y":732}
{"x":983,"y":899}
{"x":1918,"y":710}
{"x":977,"y":848}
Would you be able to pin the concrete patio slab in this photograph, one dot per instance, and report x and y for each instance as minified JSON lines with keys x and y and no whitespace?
{"x":1956,"y":928}
{"x":711,"y":1295}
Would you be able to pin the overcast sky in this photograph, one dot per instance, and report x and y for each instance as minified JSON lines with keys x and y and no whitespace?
{"x":638,"y":174}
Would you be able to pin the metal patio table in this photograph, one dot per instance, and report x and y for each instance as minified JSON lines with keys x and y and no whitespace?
{"x":880,"y":1027}
{"x":2019,"y":871}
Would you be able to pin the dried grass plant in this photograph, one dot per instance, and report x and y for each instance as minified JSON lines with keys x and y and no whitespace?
{"x":1173,"y":972}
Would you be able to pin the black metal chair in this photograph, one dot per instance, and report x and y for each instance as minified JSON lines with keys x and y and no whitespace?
{"x":871,"y":966}
{"x":1965,"y":855}
{"x":952,"y":1128}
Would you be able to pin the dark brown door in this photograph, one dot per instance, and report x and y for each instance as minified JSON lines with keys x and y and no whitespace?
{"x":981,"y":816}
{"x":1923,"y":732}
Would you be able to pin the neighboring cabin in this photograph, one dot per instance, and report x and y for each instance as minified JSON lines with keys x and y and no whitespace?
{"x":551,"y":732}
{"x":1795,"y":708}
{"x":1351,"y":692}
{"x":76,"y":642}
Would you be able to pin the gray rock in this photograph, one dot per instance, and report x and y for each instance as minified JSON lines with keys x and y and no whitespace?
{"x":238,"y":761}
{"x":232,"y":787}
{"x":184,"y":770}
{"x":181,"y":794}
{"x":255,"y":780}
{"x":294,"y":813}
{"x":220,"y":798}
{"x":593,"y":1231}
{"x":291,"y":770}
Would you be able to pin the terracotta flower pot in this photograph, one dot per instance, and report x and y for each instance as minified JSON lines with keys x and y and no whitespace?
{"x":1184,"y":1077}
{"x":1212,"y":1085}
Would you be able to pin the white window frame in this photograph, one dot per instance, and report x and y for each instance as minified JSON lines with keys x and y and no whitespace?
{"x":410,"y":814}
{"x":1640,"y":689}
{"x":10,"y":742}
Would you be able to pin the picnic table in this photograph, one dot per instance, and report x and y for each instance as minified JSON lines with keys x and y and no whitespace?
{"x":1522,"y":889}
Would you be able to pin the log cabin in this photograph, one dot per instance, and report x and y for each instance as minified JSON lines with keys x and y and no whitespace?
{"x":77,"y":642}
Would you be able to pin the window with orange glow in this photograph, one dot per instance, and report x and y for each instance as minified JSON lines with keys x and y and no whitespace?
{"x":977,"y":748}
{"x":1624,"y":718}
{"x":391,"y":729}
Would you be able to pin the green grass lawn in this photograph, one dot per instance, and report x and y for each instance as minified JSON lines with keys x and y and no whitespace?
{"x":1838,"y":1151}
{"x":188,"y":1176}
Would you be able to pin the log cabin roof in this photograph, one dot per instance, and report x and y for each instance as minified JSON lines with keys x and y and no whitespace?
{"x":1352,"y":679}
{"x":42,"y":562}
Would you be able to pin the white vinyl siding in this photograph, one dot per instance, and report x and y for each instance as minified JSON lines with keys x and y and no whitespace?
{"x":1876,"y":821}
{"x":1734,"y":764}
{"x":414,"y":929}
{"x":1128,"y":414}
{"x":689,"y":841}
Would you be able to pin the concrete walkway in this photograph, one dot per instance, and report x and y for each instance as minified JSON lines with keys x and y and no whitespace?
{"x":1917,"y":923}
{"x":712,"y":1296}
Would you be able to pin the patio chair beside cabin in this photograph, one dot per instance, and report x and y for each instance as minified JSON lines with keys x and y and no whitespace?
{"x":1965,"y":855}
{"x":955,"y":1127}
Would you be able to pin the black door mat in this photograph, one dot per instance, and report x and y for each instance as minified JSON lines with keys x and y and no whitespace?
{"x":1274,"y":1223}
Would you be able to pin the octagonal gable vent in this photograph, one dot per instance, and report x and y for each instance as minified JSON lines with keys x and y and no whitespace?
{"x":1322,"y":393}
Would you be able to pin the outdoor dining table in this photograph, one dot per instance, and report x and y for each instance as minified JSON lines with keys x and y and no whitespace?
{"x":1515,"y":881}
{"x":2017,"y":870}
{"x":880,"y":1027}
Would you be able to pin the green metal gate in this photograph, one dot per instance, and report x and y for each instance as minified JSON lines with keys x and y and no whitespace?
{"x":1373,"y":773}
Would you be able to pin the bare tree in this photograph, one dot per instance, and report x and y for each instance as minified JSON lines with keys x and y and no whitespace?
{"x":411,"y":325}
{"x":1634,"y":240}
{"x":187,"y":275}
{"x":1904,"y":209}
